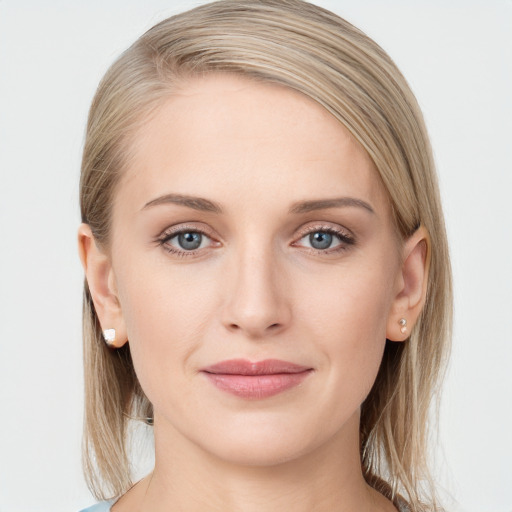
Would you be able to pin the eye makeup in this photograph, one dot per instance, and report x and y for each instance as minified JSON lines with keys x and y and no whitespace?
{"x":189,"y":240}
{"x":321,"y":238}
{"x":190,"y":237}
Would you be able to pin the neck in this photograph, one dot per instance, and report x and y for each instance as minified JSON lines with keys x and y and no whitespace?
{"x":327,"y":478}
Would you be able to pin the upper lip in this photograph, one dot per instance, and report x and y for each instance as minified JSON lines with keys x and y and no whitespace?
{"x":245,"y":367}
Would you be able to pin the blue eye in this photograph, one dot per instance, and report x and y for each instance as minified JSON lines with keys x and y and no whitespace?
{"x":320,"y":240}
{"x":189,"y":241}
{"x":186,"y":241}
{"x":327,"y":240}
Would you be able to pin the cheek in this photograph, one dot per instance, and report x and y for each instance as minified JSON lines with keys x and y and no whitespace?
{"x":346,"y":315}
{"x":167,"y":313}
{"x":350,"y":302}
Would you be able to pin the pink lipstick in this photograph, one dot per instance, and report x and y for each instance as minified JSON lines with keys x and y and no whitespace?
{"x":256,"y":380}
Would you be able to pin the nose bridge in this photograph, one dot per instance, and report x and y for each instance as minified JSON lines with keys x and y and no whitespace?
{"x":256,"y":302}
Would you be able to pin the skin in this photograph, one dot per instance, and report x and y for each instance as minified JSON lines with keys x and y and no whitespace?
{"x":255,"y":289}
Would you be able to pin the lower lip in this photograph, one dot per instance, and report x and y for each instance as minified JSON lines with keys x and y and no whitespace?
{"x":256,"y":386}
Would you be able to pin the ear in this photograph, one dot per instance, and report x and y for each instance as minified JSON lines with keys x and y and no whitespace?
{"x":102,"y":285}
{"x":411,"y":286}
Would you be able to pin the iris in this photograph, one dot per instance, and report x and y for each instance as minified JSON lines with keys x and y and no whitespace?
{"x":320,"y":240}
{"x":190,"y":241}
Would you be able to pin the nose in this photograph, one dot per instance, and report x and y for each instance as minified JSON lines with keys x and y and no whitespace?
{"x":256,"y":300}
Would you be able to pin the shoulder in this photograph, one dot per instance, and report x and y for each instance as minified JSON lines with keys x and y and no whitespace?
{"x":104,"y":506}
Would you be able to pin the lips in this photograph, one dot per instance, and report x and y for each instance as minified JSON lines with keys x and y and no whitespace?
{"x":256,"y":380}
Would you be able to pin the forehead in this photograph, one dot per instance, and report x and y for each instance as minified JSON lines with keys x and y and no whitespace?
{"x":234,"y":138}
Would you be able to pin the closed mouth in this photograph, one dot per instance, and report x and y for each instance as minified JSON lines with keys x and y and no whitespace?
{"x":256,"y":380}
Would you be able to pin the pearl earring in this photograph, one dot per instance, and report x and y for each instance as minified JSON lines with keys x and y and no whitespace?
{"x":403,"y":325}
{"x":109,"y":335}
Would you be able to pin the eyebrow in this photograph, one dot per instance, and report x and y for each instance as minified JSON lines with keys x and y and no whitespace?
{"x":205,"y":205}
{"x":324,"y":204}
{"x":196,"y":203}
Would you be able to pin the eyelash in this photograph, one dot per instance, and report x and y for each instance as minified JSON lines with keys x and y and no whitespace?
{"x":171,"y":233}
{"x":345,"y":239}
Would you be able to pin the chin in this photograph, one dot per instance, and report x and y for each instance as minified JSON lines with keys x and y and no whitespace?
{"x":262,"y":452}
{"x":272,"y":443}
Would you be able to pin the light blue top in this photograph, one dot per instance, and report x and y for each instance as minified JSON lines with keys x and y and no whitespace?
{"x":104,"y":506}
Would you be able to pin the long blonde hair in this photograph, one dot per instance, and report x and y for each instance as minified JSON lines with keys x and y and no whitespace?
{"x":313,"y":51}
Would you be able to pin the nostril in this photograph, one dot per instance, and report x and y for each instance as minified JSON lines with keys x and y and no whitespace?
{"x":272,"y":327}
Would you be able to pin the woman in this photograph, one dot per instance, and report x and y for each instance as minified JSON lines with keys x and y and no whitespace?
{"x":267,"y":278}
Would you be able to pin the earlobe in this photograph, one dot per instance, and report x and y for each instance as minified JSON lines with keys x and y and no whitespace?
{"x":102,"y":286}
{"x":412,"y":282}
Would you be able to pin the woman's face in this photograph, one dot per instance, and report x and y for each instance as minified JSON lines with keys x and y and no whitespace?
{"x":250,"y":227}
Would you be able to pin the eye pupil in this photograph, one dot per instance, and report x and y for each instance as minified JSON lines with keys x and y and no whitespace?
{"x":190,"y":241}
{"x":320,"y":240}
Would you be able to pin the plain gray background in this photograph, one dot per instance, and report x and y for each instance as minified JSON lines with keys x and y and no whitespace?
{"x":457,"y":56}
